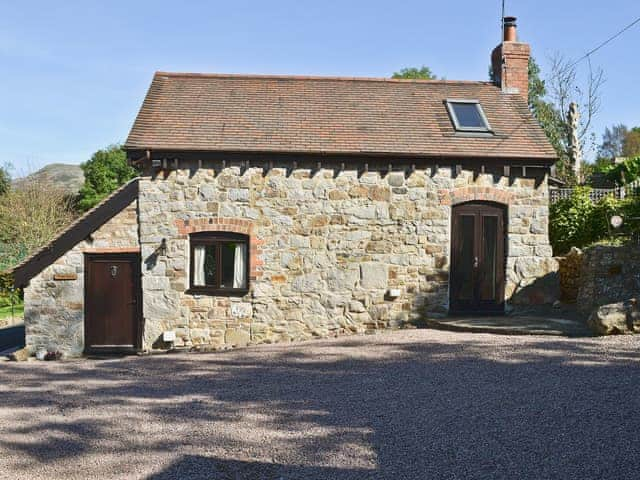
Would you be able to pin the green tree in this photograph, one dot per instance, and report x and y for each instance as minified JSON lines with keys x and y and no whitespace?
{"x":5,"y":179}
{"x":613,"y":141}
{"x":105,"y":172}
{"x":413,"y":73}
{"x":631,"y":145}
{"x":31,"y":214}
{"x":624,"y":172}
{"x":551,"y":120}
{"x":592,"y":171}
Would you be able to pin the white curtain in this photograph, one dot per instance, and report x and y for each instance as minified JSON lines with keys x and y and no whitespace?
{"x":239,"y":267}
{"x":198,"y":266}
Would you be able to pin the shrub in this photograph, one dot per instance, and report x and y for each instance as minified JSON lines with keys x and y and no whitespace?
{"x":570,"y":221}
{"x":8,"y":294}
{"x":577,"y":221}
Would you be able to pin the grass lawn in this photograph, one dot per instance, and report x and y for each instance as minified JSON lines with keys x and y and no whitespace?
{"x":18,"y":311}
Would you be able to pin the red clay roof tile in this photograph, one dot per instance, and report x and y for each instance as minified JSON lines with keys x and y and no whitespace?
{"x":209,"y":112}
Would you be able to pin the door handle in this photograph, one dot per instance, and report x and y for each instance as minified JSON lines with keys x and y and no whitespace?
{"x":475,"y":262}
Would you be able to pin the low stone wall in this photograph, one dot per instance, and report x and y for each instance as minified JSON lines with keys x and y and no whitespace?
{"x":608,"y":275}
{"x":570,"y":268}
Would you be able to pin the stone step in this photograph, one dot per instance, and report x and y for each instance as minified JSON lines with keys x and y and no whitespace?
{"x":512,"y":325}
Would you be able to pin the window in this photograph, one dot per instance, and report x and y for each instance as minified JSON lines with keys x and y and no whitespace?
{"x":219,"y":263}
{"x":467,"y":116}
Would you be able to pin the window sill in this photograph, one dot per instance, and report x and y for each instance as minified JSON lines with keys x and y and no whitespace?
{"x":219,"y":292}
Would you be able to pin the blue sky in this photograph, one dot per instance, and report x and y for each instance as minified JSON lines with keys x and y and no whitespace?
{"x":74,"y":73}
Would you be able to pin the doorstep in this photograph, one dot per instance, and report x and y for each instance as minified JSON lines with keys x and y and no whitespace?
{"x":512,"y":325}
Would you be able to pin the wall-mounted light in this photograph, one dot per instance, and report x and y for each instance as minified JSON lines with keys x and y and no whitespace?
{"x":162,"y":249}
{"x":616,"y":221}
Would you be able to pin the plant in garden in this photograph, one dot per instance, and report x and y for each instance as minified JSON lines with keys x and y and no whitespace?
{"x":8,"y":294}
{"x":570,"y":221}
{"x":578,"y":222}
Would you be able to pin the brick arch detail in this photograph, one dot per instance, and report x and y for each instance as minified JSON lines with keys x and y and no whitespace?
{"x":475,"y":193}
{"x":227,"y":224}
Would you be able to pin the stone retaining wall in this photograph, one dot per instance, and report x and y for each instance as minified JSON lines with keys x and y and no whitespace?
{"x":609,"y":274}
{"x":570,"y":275}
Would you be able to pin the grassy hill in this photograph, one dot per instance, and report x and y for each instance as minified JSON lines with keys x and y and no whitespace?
{"x":68,"y":177}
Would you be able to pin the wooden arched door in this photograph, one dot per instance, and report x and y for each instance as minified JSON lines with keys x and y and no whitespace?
{"x":477,"y":258}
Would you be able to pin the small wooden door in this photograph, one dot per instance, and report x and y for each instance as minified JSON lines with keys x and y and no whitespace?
{"x":477,"y":258}
{"x":112,"y":302}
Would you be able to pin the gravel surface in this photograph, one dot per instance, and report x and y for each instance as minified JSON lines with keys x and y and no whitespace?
{"x":420,"y":404}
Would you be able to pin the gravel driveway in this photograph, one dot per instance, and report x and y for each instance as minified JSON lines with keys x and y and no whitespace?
{"x":417,"y":404}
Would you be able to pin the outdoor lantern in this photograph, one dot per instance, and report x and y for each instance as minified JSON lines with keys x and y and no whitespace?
{"x":616,"y":221}
{"x":162,"y":249}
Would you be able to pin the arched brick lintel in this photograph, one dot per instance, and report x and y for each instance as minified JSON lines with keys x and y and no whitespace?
{"x":226,"y":224}
{"x":474,"y":193}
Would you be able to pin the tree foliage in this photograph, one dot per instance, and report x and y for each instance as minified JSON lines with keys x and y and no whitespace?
{"x":624,"y":172}
{"x":422,"y":73}
{"x":5,"y":179}
{"x":29,"y":217}
{"x":631,"y":144}
{"x":551,"y":120}
{"x":570,"y":221}
{"x":549,"y":102}
{"x":103,"y":173}
{"x":578,"y":222}
{"x":613,"y":141}
{"x":8,"y":294}
{"x":565,"y":87}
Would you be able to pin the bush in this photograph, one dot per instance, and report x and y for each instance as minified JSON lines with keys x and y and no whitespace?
{"x":578,"y":222}
{"x":8,"y":294}
{"x":570,"y":221}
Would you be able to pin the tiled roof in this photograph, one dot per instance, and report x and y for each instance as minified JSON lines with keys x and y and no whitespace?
{"x":207,"y":112}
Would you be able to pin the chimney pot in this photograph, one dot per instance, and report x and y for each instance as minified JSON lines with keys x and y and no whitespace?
{"x":510,"y":29}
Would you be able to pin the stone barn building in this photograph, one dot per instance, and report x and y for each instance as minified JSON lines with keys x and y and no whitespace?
{"x":279,"y":208}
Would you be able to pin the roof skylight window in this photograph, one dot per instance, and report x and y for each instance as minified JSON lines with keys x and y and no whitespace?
{"x":468,"y":116}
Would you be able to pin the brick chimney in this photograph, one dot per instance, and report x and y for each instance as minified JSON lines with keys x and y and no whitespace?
{"x":510,"y":62}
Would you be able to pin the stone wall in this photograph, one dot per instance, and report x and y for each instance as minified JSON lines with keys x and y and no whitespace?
{"x":569,"y":271}
{"x":54,"y":299}
{"x":325,"y":249}
{"x":609,"y":275}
